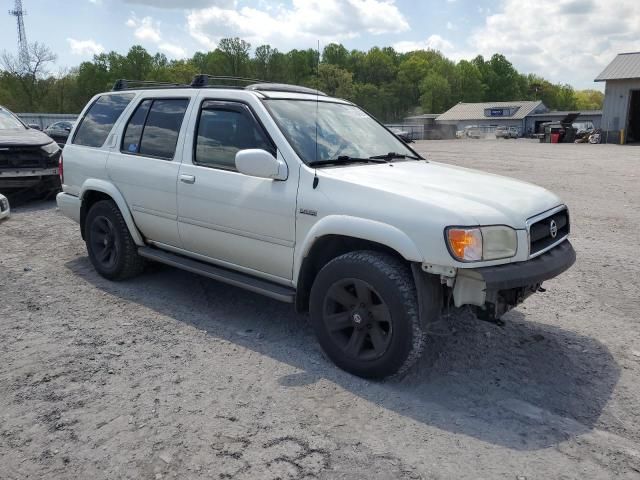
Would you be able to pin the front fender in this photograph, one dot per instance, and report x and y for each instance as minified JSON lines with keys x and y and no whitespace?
{"x":356,"y":227}
{"x":110,"y":189}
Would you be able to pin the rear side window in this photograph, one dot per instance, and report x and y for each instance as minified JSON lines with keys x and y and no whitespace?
{"x":153,"y":128}
{"x":94,"y":128}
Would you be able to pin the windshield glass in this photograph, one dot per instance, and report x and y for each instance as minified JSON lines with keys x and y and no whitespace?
{"x":342,"y":131}
{"x":8,"y":121}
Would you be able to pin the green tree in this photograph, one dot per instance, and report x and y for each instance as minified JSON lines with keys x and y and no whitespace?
{"x":236,"y":55}
{"x":335,"y":54}
{"x":468,"y":87}
{"x":589,"y":99}
{"x":334,"y":81}
{"x":435,"y":93}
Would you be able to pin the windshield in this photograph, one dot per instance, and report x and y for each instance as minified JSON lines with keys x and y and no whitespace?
{"x":9,"y":122}
{"x":342,"y":131}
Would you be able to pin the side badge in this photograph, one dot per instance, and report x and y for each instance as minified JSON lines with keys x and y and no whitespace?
{"x":312,"y":213}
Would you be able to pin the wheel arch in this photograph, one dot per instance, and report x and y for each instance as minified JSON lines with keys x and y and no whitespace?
{"x":94,"y":190}
{"x":336,"y":235}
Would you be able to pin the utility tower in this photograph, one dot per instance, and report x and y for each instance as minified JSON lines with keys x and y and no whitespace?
{"x":23,"y":48}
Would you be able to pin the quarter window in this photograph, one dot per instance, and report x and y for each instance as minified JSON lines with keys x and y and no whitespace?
{"x":222,"y":132}
{"x":99,"y":120}
{"x":154,"y":127}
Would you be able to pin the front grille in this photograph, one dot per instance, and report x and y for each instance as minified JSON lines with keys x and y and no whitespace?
{"x":26,"y":157}
{"x":540,"y":233}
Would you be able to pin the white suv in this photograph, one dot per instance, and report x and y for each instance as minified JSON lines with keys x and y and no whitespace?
{"x":307,"y":199}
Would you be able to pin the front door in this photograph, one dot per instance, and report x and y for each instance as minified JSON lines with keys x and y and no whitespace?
{"x":235,"y":220}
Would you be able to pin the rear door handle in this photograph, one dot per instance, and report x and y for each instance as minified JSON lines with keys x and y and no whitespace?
{"x":187,"y":179}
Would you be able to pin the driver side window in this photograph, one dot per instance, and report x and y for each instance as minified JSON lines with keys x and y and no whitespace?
{"x":222,"y":132}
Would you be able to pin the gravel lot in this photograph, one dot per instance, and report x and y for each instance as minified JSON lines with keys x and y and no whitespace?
{"x":175,"y":376}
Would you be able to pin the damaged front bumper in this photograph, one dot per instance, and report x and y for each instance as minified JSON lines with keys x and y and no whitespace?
{"x":496,"y":290}
{"x":15,"y":179}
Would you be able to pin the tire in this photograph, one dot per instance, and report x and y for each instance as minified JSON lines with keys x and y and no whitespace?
{"x":378,"y":337}
{"x":111,"y":249}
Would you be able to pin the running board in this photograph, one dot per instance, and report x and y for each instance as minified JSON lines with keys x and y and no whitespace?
{"x":237,"y":279}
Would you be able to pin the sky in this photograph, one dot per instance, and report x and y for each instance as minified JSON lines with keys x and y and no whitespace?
{"x":565,"y":41}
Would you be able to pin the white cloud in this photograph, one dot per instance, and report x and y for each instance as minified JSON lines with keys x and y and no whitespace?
{"x":84,"y":47}
{"x":434,"y":42}
{"x":564,"y":40}
{"x":172,"y":50}
{"x":303,"y":23}
{"x":146,"y":29}
{"x":181,"y":4}
{"x":450,"y":26}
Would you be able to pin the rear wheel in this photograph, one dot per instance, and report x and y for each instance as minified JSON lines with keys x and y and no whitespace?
{"x":111,"y":249}
{"x":364,"y":310}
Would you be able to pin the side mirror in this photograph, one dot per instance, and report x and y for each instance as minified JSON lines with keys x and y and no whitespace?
{"x":262,"y":164}
{"x":35,"y":126}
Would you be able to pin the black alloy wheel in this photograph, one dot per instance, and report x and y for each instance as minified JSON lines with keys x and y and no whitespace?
{"x":358,"y":319}
{"x":111,"y":249}
{"x":103,"y":242}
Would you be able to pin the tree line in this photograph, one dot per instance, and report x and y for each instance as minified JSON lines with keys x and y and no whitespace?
{"x":389,"y":84}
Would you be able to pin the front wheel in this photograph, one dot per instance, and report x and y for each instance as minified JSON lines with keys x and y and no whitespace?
{"x":364,"y":310}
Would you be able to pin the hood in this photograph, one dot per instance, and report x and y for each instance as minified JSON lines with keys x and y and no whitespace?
{"x":470,"y":195}
{"x":23,"y":138}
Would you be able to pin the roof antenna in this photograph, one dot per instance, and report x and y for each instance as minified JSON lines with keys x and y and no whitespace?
{"x":315,"y":172}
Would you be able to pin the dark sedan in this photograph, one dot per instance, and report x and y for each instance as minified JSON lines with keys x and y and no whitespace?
{"x":28,"y":158}
{"x":60,"y":131}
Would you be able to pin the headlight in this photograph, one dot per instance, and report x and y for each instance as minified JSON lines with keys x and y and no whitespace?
{"x":481,"y":243}
{"x":50,"y":148}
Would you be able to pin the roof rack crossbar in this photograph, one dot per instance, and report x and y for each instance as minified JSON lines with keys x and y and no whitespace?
{"x":124,"y":84}
{"x":202,"y":80}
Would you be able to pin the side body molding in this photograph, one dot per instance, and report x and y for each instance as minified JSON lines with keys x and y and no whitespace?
{"x":110,"y":189}
{"x":355,"y":227}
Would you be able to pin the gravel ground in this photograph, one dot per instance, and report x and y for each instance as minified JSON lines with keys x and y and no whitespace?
{"x":171,"y":375}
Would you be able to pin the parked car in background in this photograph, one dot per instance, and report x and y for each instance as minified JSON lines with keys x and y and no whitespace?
{"x":5,"y":210}
{"x":28,"y":158}
{"x":60,"y":131}
{"x":506,"y":132}
{"x":402,"y":134}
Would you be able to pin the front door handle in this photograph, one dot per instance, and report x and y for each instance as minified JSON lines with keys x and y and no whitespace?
{"x":187,"y":179}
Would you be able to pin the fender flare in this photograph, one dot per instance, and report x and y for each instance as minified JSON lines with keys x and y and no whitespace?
{"x":356,"y":227}
{"x":110,"y":189}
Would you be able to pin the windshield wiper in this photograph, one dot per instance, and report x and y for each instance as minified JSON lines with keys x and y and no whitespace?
{"x":393,"y":155}
{"x":347,"y":159}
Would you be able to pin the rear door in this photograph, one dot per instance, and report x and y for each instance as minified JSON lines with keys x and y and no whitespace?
{"x":145,"y":164}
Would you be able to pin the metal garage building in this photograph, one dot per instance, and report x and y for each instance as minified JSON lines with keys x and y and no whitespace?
{"x":621,"y":111}
{"x":488,"y":116}
{"x":534,"y":122}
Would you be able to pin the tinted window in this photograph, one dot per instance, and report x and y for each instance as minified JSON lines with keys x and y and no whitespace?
{"x":133,"y":131}
{"x":160,"y":133}
{"x":222,"y":133}
{"x":98,"y":122}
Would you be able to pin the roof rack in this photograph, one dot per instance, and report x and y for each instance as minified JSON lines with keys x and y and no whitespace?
{"x":202,"y":80}
{"x":124,"y":84}
{"x":284,"y":87}
{"x":205,"y":81}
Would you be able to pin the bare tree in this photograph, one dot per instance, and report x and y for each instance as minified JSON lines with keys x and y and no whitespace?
{"x":30,"y":73}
